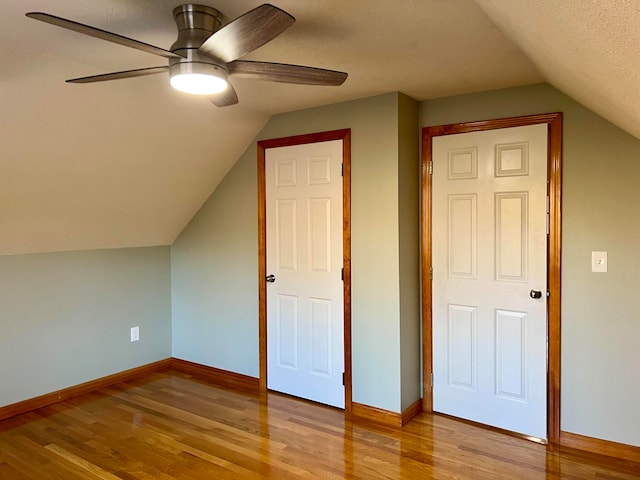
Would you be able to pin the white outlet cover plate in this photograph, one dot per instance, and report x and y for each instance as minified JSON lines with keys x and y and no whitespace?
{"x":599,"y":262}
{"x":135,"y":334}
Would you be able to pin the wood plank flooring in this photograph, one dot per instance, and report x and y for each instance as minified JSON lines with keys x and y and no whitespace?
{"x":169,"y":425}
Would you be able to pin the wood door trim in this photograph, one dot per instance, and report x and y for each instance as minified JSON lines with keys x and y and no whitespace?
{"x":554,"y":191}
{"x":345,"y":136}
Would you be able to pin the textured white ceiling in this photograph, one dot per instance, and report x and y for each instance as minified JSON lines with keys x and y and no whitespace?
{"x":586,"y":48}
{"x":129,"y":162}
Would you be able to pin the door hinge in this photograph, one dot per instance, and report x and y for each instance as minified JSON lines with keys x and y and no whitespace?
{"x":431,"y":273}
{"x":342,"y":275}
{"x":431,"y":379}
{"x":342,"y":169}
{"x":548,"y":223}
{"x":430,"y":167}
{"x":343,"y":379}
{"x":548,"y":214}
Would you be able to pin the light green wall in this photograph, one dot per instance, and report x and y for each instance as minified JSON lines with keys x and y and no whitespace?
{"x":215,"y":260}
{"x":66,"y":317}
{"x":600,"y":391}
{"x":409,"y":247}
{"x":214,"y":276}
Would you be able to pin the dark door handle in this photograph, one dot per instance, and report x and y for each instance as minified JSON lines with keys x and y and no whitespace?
{"x":271,"y":278}
{"x":535,"y":294}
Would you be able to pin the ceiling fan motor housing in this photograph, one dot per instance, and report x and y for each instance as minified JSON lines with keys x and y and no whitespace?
{"x":196,"y":23}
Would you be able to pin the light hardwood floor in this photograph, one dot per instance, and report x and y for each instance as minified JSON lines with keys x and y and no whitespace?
{"x":169,"y":425}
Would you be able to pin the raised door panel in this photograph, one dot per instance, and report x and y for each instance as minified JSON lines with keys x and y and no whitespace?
{"x":462,"y":230}
{"x":287,"y":331}
{"x":286,"y":235}
{"x":511,"y":355}
{"x":462,"y":346}
{"x":321,"y":361}
{"x":511,"y":236}
{"x":319,"y":247}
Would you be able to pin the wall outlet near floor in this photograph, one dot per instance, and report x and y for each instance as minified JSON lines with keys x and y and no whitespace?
{"x":135,"y":334}
{"x":599,"y":262}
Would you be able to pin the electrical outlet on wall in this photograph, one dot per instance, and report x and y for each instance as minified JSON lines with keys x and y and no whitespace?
{"x":135,"y":334}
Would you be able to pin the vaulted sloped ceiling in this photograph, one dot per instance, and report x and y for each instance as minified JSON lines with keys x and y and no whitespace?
{"x":129,"y":162}
{"x":586,"y":48}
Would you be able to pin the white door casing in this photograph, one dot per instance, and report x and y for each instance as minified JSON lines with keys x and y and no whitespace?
{"x":304,"y":252}
{"x":489,"y":251}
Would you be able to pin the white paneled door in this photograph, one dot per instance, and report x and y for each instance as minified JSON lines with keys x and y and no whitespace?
{"x":305,"y":333}
{"x":489,"y":258}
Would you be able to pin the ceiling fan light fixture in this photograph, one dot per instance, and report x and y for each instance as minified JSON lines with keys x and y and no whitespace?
{"x":198,"y":78}
{"x":198,"y":83}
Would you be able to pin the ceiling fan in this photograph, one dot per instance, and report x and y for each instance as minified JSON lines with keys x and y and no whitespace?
{"x":206,"y":54}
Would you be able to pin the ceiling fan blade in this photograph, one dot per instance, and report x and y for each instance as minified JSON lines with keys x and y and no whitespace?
{"x":225,"y":98}
{"x":101,"y":34}
{"x":247,"y":32}
{"x":140,"y":72}
{"x":281,"y":72}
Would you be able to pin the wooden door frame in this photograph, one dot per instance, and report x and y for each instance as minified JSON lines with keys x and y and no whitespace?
{"x":345,"y":136}
{"x":554,"y":191}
